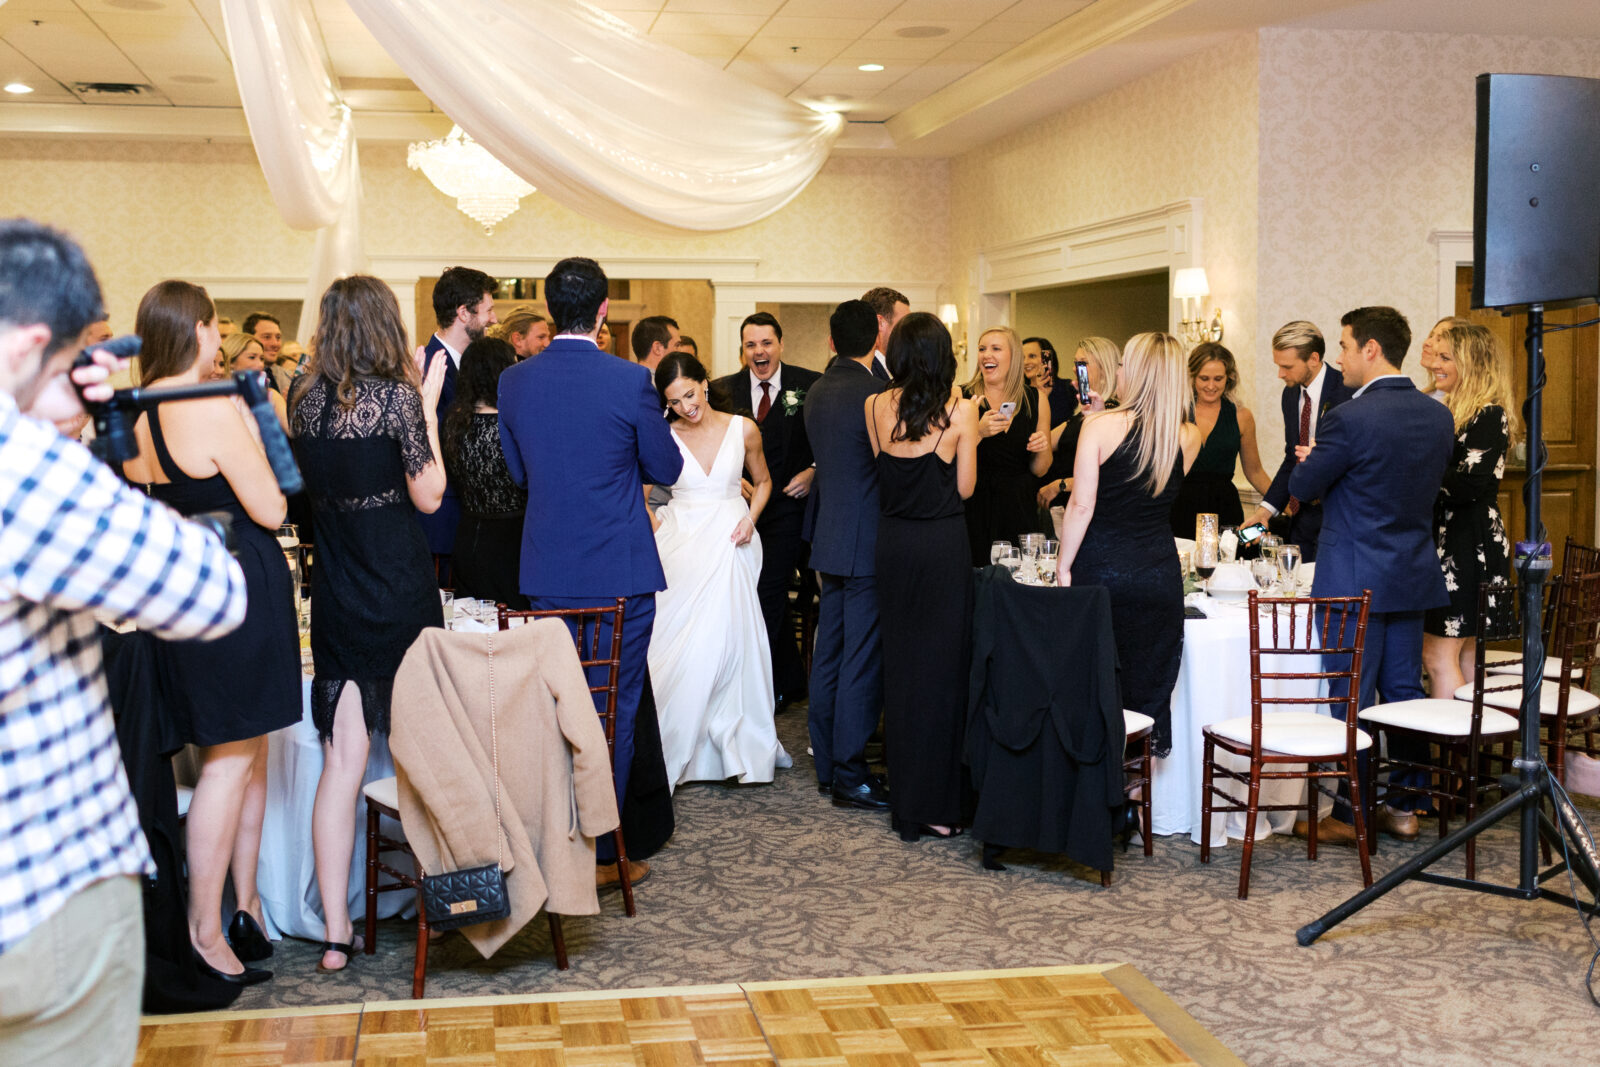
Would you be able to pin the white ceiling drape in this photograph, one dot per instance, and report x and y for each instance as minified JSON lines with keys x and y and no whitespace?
{"x":304,"y":136}
{"x":625,"y":130}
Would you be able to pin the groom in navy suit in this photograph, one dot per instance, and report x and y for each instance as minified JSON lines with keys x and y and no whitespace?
{"x":582,"y":430}
{"x":1376,"y":463}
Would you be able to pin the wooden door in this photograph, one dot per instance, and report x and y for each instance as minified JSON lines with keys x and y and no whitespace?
{"x":1570,"y":391}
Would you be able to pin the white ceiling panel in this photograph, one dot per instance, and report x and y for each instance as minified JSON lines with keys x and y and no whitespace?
{"x":706,"y":46}
{"x":793,"y":51}
{"x":70,"y":49}
{"x":1007,"y":32}
{"x":941,"y":11}
{"x":639,"y":20}
{"x":889,"y":28}
{"x":783,"y":25}
{"x":859,"y":9}
{"x":762,"y":8}
{"x":613,"y":5}
{"x":1048,"y":11}
{"x":882,"y":50}
{"x":16,"y":67}
{"x":679,"y":24}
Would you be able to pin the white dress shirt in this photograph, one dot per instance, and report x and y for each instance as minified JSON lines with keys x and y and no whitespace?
{"x":455,"y":357}
{"x":774,"y":383}
{"x":1379,"y":378}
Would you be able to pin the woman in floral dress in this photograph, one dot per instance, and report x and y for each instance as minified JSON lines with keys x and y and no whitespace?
{"x":1470,"y":370}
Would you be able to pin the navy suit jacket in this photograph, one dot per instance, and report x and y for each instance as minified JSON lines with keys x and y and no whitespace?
{"x":783,"y":437}
{"x":1377,"y":465}
{"x":1334,"y":393}
{"x":440,"y":526}
{"x":842,"y":519}
{"x":582,"y":430}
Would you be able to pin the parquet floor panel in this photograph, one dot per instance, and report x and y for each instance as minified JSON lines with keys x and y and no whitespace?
{"x":1043,"y":1017}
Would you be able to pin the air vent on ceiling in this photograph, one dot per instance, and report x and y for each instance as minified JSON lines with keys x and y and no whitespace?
{"x":122,"y":89}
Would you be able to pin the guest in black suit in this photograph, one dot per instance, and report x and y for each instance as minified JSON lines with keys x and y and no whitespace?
{"x":1377,"y":464}
{"x":847,"y":664}
{"x":463,"y":304}
{"x":776,"y":395}
{"x":1312,"y":388}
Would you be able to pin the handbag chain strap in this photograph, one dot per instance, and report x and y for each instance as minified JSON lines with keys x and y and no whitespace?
{"x":494,"y":748}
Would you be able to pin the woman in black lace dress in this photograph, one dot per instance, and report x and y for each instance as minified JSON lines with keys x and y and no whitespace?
{"x":488,"y":553}
{"x":1470,"y":372}
{"x":1013,"y":445}
{"x":223,"y":696}
{"x":366,"y":441}
{"x":1117,"y":532}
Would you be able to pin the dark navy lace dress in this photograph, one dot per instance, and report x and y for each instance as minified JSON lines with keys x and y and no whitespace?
{"x":372,"y":589}
{"x":1128,"y":549}
{"x":488,"y":554}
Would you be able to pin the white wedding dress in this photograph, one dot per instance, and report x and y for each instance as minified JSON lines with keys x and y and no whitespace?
{"x":709,"y":663}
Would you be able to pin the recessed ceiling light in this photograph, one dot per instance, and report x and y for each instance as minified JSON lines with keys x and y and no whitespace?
{"x":19,"y":88}
{"x":922,"y":31}
{"x":871,"y":68}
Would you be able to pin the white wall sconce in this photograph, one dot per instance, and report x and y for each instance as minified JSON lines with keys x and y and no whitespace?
{"x":950,"y":315}
{"x":1190,"y":286}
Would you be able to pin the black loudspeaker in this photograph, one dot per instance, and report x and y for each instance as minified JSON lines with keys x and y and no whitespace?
{"x":1536,"y":193}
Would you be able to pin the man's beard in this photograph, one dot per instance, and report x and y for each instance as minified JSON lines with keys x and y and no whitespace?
{"x":475,"y":333}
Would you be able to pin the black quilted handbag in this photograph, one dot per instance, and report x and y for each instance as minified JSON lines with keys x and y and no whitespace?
{"x":453,"y":899}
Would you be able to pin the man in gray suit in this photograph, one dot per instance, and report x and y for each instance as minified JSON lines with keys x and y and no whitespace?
{"x":846,"y":665}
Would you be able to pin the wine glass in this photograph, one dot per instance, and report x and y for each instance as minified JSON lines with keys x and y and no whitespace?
{"x":1010,"y":558}
{"x":1206,"y":554}
{"x":1288,"y":563}
{"x":999,"y":550}
{"x":1263,"y":570}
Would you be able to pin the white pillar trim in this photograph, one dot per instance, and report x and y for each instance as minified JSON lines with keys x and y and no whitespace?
{"x":1454,"y":248}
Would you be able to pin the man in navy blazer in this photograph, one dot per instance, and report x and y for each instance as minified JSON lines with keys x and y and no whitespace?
{"x":582,"y":431}
{"x":842,"y":521}
{"x":1377,"y":463}
{"x":463,"y":304}
{"x":1311,"y":388}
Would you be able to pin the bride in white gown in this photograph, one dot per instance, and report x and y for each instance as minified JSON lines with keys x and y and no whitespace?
{"x":709,"y":663}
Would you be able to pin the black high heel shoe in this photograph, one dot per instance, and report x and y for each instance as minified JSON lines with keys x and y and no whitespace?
{"x":1126,"y":822}
{"x":249,"y":941}
{"x":911,"y":831}
{"x":991,"y":857}
{"x":249,"y":976}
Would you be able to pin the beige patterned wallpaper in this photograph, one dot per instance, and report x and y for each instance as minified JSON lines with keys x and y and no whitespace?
{"x":147,"y":211}
{"x":1188,"y":130}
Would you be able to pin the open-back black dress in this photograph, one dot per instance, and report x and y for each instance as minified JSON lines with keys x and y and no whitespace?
{"x":373,"y":589}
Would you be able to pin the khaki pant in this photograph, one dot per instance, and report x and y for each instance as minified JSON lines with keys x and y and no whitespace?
{"x":70,"y":990}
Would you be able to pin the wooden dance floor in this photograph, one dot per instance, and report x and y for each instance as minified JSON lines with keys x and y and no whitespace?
{"x":1101,"y":1014}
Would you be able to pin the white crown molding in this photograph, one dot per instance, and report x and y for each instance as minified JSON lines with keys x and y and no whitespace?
{"x":922,"y":295}
{"x":251,"y":286}
{"x":1093,"y":27}
{"x":1162,"y":238}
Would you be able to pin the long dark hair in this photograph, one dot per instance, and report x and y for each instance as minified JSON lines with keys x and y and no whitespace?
{"x":477,"y":382}
{"x":923,"y":366}
{"x":677,"y":365}
{"x":165,"y":321}
{"x":359,"y":335}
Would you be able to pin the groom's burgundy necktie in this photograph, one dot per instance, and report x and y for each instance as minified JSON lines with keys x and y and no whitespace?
{"x":1305,"y":439}
{"x":766,"y":402}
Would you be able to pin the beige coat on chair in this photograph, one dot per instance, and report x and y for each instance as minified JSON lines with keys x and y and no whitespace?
{"x":556,"y":792}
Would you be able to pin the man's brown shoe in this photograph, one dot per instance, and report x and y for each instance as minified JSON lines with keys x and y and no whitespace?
{"x":605,"y":874}
{"x":1330,"y":831}
{"x":1400,"y":824}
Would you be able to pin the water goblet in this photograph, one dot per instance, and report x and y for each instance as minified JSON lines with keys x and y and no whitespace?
{"x":998,"y":551}
{"x":1288,"y":564}
{"x":1263,"y":571}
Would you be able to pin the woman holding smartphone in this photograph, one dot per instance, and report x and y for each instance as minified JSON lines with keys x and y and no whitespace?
{"x":1013,"y":444}
{"x":1094,"y":376}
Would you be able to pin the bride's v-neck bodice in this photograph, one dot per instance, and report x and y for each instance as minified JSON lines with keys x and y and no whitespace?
{"x":696,"y":485}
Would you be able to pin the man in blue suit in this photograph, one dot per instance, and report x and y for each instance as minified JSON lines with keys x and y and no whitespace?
{"x":463,"y":304}
{"x":1311,"y":388}
{"x":847,"y":663}
{"x":1376,"y":464}
{"x":582,"y":431}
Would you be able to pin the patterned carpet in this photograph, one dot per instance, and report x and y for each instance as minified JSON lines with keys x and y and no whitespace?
{"x":768,"y":883}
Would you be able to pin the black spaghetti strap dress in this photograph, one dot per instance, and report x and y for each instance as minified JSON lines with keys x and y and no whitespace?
{"x":246,"y":683}
{"x":1208,"y":487}
{"x":924,"y":581}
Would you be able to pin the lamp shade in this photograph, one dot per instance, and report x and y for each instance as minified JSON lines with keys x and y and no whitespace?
{"x":1190,"y":282}
{"x":949,"y":315}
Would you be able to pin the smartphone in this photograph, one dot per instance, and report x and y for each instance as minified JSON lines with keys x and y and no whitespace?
{"x":1083,"y":383}
{"x":1249,"y":535}
{"x":1008,"y":407}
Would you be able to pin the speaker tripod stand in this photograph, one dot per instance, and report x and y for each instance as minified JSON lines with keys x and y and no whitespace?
{"x":1532,"y":784}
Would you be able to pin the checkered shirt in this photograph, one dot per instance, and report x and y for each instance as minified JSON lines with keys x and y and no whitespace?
{"x":76,"y":541}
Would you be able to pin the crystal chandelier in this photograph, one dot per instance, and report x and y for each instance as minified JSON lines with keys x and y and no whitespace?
{"x":484,"y":188}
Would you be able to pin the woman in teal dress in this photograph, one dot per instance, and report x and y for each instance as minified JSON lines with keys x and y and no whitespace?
{"x":1229,"y":432}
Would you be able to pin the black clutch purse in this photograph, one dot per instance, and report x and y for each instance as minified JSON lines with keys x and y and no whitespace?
{"x":453,"y":899}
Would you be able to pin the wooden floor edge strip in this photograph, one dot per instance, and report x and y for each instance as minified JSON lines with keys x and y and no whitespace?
{"x":1196,"y":1041}
{"x":927,"y":976}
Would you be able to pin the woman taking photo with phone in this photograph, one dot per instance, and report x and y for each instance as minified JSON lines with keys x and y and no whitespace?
{"x":1013,"y":445}
{"x":1094,"y":365}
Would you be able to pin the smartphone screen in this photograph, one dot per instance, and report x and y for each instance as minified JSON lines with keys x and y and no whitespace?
{"x":1249,"y":535}
{"x":1083,"y":383}
{"x":1007,"y":408}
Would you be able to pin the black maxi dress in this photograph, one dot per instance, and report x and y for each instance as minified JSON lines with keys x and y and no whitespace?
{"x":925,"y":623}
{"x":487,"y":564}
{"x":245,"y":683}
{"x":373,"y":590}
{"x":1128,"y":549}
{"x":1004,"y":503}
{"x":1208,"y":487}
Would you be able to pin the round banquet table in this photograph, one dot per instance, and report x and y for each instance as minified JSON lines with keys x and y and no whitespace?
{"x":1213,"y":685}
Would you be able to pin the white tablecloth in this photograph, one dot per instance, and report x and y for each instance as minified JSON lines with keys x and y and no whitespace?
{"x":1213,"y":685}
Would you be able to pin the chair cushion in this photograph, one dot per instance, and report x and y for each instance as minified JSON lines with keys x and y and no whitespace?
{"x":1579,"y":702}
{"x":1136,"y":722}
{"x":1292,"y":733}
{"x":1552,"y":664}
{"x":1449,"y":718}
{"x":385,"y":791}
{"x":185,"y":796}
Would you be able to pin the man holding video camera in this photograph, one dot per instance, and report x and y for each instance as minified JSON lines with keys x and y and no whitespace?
{"x":74,"y":542}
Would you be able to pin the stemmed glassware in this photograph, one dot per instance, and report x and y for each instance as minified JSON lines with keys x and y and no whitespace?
{"x":1206,"y":556}
{"x":1263,"y":570}
{"x":1006,"y":555}
{"x":1288,"y":564}
{"x":998,"y":551}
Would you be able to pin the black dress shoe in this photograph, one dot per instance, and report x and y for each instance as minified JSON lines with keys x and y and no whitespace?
{"x":869,"y":796}
{"x":249,"y":942}
{"x":824,"y":790}
{"x":249,"y":976}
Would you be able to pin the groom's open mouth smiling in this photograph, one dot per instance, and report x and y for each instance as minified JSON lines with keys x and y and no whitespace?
{"x":760,"y":363}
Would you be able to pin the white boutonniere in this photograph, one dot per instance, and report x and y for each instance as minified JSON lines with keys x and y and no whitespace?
{"x":792,"y":399}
